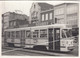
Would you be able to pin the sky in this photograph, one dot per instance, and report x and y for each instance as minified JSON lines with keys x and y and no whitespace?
{"x":23,"y":6}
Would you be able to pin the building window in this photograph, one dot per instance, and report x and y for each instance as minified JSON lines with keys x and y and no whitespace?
{"x":5,"y":24}
{"x":59,"y":11}
{"x":50,"y":16}
{"x":11,"y":24}
{"x":14,"y":23}
{"x":60,"y":21}
{"x":46,"y":17}
{"x":72,"y":20}
{"x":72,"y":9}
{"x":42,"y":17}
{"x":43,"y":33}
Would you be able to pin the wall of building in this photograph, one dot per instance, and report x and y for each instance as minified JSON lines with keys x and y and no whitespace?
{"x":59,"y":13}
{"x":17,"y":20}
{"x":40,"y":17}
{"x":47,"y":17}
{"x":34,"y":13}
{"x":13,"y":20}
{"x":5,"y":18}
{"x":72,"y":15}
{"x":67,"y":13}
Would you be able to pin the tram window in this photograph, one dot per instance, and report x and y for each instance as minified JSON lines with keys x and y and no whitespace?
{"x":43,"y":33}
{"x":23,"y":34}
{"x":13,"y":34}
{"x":8,"y":34}
{"x":5,"y":34}
{"x":63,"y":34}
{"x":66,"y":33}
{"x":35,"y":34}
{"x":28,"y":34}
{"x":17,"y":34}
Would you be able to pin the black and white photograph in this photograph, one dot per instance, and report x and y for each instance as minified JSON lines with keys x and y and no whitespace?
{"x":40,"y":28}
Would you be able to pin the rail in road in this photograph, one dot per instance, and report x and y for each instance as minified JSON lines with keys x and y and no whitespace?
{"x":10,"y":49}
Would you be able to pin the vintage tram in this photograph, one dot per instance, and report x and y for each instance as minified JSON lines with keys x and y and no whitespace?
{"x":55,"y":37}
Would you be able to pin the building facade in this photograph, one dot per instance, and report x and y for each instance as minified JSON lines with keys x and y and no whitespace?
{"x":5,"y":20}
{"x":41,"y":13}
{"x":46,"y":14}
{"x":67,"y":13}
{"x":18,"y":20}
{"x":14,"y":20}
{"x":47,"y":17}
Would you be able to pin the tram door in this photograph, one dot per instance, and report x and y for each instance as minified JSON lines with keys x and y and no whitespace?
{"x":5,"y":38}
{"x":50,"y":34}
{"x":57,"y":38}
{"x":22,"y":38}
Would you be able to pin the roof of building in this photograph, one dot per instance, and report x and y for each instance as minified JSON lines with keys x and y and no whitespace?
{"x":64,"y":4}
{"x":17,"y":15}
{"x":45,"y":6}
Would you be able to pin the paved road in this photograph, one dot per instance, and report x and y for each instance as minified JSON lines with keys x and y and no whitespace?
{"x":75,"y":52}
{"x":17,"y":52}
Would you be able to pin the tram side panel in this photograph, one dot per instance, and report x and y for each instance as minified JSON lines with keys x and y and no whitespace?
{"x":36,"y":38}
{"x":67,"y":45}
{"x":17,"y":40}
{"x":28,"y":39}
{"x":41,"y":38}
{"x":8,"y":37}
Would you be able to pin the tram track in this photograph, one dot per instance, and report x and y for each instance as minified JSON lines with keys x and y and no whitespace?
{"x":48,"y":53}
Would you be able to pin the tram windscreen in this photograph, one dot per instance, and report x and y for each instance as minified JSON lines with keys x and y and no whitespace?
{"x":66,"y":33}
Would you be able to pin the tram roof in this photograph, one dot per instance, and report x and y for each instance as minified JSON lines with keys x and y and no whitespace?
{"x":39,"y":27}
